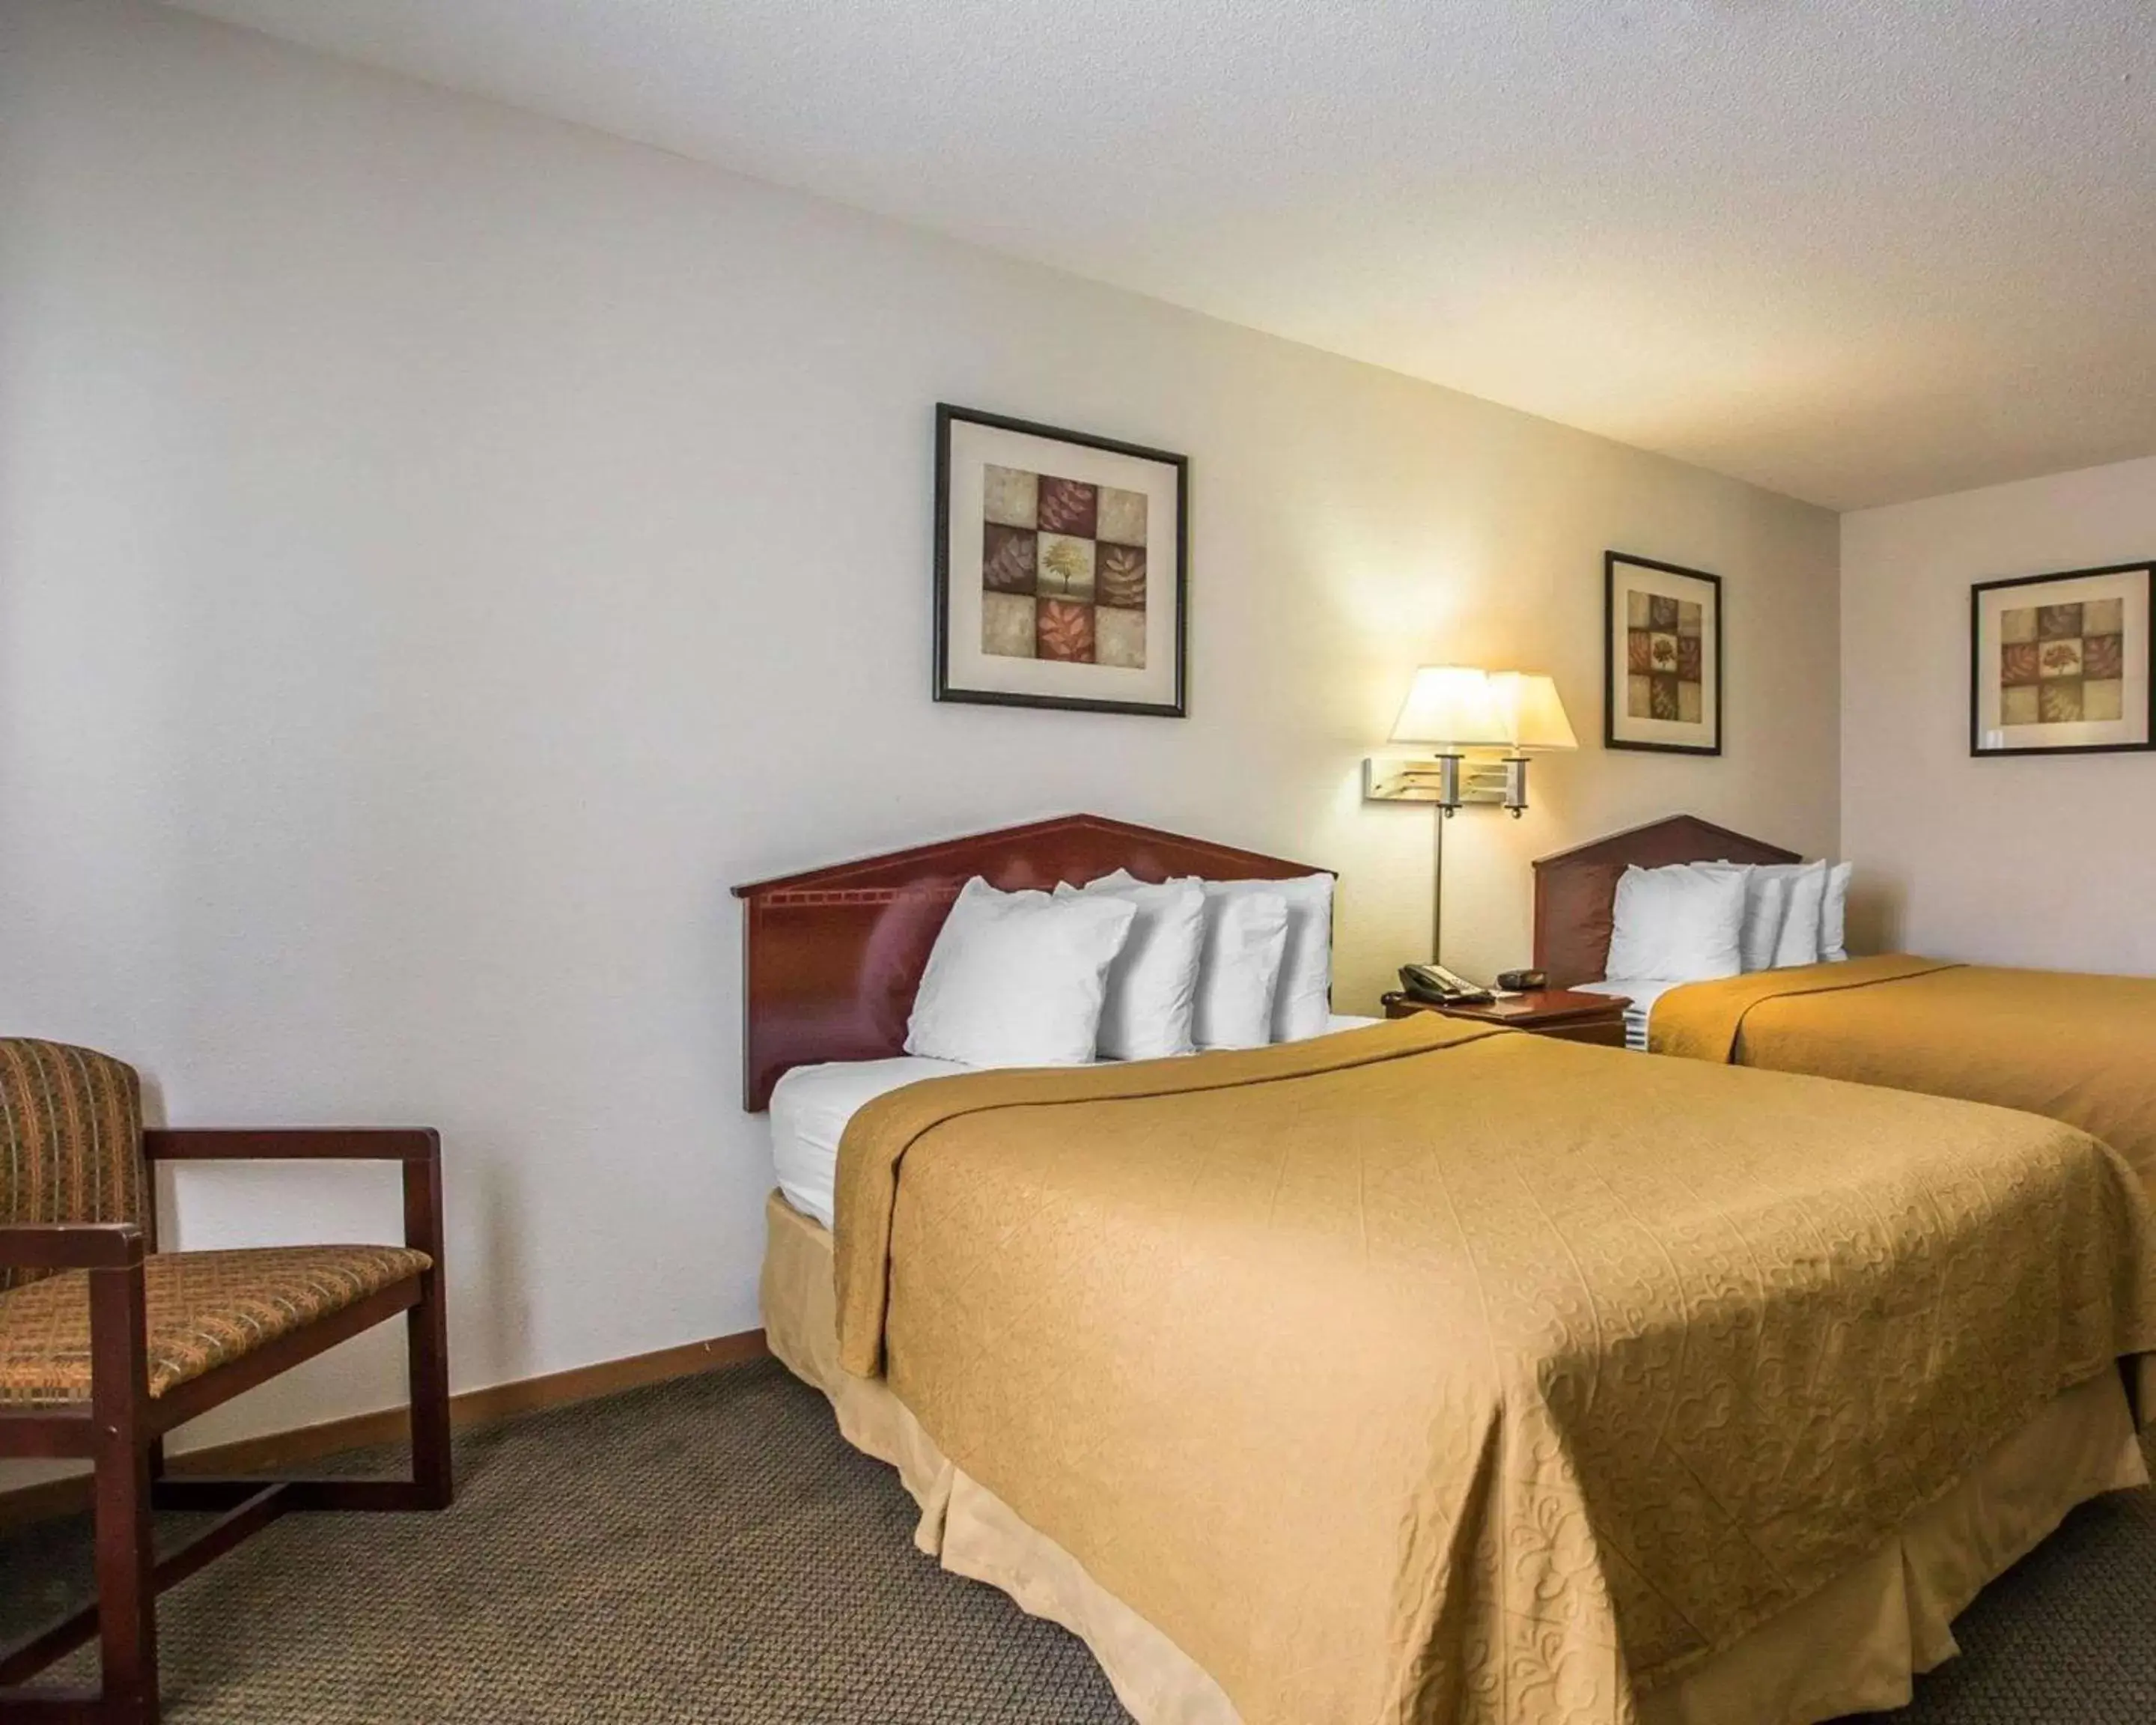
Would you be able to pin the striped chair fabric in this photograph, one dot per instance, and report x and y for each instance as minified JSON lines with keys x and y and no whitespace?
{"x":71,"y":1151}
{"x":70,"y":1139}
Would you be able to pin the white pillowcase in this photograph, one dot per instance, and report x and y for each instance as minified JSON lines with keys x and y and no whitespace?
{"x":1302,"y":1002}
{"x":1807,"y":924}
{"x":1152,"y":985}
{"x":1766,"y":915}
{"x":1677,"y":924}
{"x":1018,"y":978}
{"x":1833,"y":916}
{"x":1799,"y":943}
{"x":1766,"y":909}
{"x":1246,"y":937}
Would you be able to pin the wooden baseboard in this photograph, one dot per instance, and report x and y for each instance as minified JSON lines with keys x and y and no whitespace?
{"x":279,"y":1451}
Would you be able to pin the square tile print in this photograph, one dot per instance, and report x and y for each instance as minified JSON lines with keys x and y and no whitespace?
{"x":1663,"y":656}
{"x":1664,"y":661}
{"x":2060,"y":662}
{"x":1063,"y":569}
{"x":2062,"y":665}
{"x":1059,"y":568}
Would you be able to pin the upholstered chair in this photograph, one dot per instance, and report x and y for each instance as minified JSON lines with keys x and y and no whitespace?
{"x":107,"y":1344}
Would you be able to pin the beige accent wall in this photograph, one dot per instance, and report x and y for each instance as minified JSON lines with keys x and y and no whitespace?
{"x":441,"y":550}
{"x":2035,"y":861}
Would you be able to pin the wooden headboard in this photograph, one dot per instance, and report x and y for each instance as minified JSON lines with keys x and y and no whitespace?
{"x":831,"y":959}
{"x":1576,"y":890}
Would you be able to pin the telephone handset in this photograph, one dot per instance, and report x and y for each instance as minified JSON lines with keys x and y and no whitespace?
{"x":1435,"y":982}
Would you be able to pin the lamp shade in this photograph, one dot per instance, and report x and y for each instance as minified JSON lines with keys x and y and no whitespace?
{"x":1451,"y":704}
{"x":1528,"y":707}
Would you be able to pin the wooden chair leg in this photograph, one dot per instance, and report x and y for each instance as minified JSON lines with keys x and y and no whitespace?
{"x":427,"y":1341}
{"x":127,"y":1583}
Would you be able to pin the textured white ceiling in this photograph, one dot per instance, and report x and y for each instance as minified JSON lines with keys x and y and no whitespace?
{"x":1856,"y":250}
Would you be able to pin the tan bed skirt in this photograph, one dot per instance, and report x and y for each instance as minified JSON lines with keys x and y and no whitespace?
{"x":1852,"y":1647}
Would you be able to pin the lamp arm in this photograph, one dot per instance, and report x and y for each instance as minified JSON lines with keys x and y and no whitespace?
{"x":1443,"y":813}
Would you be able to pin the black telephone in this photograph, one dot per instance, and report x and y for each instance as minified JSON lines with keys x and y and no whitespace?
{"x":1435,"y":982}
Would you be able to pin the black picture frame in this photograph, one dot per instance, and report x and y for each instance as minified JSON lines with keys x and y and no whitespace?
{"x":2146,"y":569}
{"x":1612,"y":671}
{"x":947,"y":415}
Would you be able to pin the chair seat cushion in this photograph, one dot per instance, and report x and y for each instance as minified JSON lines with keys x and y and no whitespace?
{"x":204,"y":1309}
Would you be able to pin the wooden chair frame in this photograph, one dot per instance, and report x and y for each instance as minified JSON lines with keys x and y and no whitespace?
{"x":122,"y":1429}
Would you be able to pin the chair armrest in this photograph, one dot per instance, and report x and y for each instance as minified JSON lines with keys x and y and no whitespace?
{"x":70,"y":1245}
{"x":305,"y":1144}
{"x":419,"y":1149}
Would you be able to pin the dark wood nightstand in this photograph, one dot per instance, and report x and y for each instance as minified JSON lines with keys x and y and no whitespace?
{"x":1564,"y":1014}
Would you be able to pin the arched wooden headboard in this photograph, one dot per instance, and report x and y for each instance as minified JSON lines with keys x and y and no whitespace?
{"x":1576,"y":890}
{"x":831,"y":959}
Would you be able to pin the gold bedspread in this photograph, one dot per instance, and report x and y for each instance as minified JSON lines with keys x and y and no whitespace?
{"x":1425,"y":1374}
{"x":2080,"y":1049}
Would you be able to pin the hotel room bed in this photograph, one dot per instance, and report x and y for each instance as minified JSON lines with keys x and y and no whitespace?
{"x":1430,"y":1373}
{"x":2077,"y":1049}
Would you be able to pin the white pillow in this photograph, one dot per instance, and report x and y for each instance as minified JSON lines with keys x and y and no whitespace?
{"x":1833,"y":916}
{"x":1018,"y":978}
{"x":1302,"y":1003}
{"x":1766,"y":908}
{"x":1245,"y":942}
{"x":1677,"y":924}
{"x":1152,"y":985}
{"x":1799,"y":943}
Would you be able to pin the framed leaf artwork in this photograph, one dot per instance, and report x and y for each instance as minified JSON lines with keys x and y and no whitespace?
{"x":1060,"y":567}
{"x":1663,"y":656}
{"x":2059,"y":664}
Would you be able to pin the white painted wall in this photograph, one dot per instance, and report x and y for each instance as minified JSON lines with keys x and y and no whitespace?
{"x":441,"y":550}
{"x":2026,"y":859}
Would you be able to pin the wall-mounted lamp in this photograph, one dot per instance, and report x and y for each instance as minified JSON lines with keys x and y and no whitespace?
{"x":1482,"y":724}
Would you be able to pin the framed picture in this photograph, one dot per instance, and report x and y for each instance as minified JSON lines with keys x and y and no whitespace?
{"x":1663,"y":652}
{"x":1060,"y":575}
{"x":2059,"y":664}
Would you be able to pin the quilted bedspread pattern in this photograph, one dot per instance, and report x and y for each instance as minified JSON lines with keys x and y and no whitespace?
{"x":1426,"y":1373}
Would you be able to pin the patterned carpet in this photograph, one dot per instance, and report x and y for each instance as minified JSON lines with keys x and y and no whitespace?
{"x":710,"y":1550}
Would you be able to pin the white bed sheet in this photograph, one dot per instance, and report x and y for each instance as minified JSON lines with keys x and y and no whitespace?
{"x":811,"y":1105}
{"x":1642,"y":994}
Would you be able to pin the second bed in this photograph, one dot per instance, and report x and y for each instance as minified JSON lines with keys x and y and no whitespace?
{"x":2077,"y":1049}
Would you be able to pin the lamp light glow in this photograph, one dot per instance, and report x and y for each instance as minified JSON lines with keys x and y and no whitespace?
{"x":1532,"y":715}
{"x":1453,"y":705}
